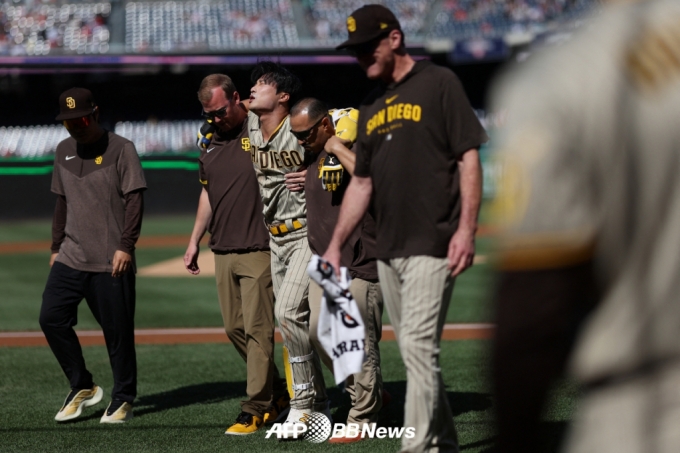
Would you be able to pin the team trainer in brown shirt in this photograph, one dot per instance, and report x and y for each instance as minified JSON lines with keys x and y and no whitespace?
{"x":99,"y":182}
{"x":230,"y":208}
{"x":417,"y":157}
{"x":317,"y":130}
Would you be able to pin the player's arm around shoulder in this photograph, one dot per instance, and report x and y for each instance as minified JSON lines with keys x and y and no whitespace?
{"x":341,"y":148}
{"x":346,"y":124}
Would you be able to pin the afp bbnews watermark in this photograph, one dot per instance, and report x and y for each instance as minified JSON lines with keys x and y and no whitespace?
{"x":319,"y":429}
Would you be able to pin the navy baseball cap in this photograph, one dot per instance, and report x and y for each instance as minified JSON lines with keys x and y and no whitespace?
{"x":367,"y":23}
{"x":75,"y":103}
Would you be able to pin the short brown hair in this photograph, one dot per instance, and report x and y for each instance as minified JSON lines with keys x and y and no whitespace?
{"x":214,"y":81}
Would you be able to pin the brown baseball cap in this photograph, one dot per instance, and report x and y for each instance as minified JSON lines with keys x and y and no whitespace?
{"x":368,"y":23}
{"x":75,"y":103}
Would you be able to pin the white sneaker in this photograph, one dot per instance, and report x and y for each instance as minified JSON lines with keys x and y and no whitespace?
{"x":77,"y":400}
{"x":117,"y":412}
{"x":295,"y":418}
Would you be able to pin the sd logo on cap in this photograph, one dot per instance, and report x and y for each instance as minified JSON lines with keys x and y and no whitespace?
{"x":351,"y":24}
{"x":75,"y":103}
{"x":368,"y":23}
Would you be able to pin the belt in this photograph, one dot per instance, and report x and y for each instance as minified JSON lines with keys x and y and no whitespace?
{"x":287,"y":226}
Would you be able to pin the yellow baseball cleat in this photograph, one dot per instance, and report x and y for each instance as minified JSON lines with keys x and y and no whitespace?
{"x":245,"y":424}
{"x":117,"y":412}
{"x":77,"y":400}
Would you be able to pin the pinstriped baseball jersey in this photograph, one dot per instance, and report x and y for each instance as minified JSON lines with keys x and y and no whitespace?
{"x":272,"y":161}
{"x":590,"y":159}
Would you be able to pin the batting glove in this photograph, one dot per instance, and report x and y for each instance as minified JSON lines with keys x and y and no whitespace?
{"x":205,"y":134}
{"x":331,"y":172}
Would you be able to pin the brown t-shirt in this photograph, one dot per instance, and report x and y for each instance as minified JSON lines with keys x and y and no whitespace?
{"x":323,"y":209}
{"x":411,"y":134}
{"x":94,"y":179}
{"x":226,"y":171}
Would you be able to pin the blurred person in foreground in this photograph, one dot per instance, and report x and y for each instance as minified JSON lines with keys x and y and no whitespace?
{"x":99,"y":182}
{"x":417,"y":161}
{"x":328,"y":137}
{"x":589,"y":207}
{"x":230,"y":208}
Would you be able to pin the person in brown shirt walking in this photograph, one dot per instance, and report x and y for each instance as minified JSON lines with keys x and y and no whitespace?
{"x":417,"y":162}
{"x":323,"y":133}
{"x":99,"y":182}
{"x":230,"y":208}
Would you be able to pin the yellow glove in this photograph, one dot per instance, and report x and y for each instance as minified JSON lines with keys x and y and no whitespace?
{"x":330,"y":173}
{"x":205,"y":134}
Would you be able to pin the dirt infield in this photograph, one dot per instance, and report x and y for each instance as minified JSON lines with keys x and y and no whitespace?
{"x":174,"y":267}
{"x":217,"y":335}
{"x":144,"y":242}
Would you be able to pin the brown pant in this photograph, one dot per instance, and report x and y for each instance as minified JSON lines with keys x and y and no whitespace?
{"x":365,"y":387}
{"x":244,"y":289}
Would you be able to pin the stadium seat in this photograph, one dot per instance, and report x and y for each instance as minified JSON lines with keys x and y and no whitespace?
{"x":33,"y":28}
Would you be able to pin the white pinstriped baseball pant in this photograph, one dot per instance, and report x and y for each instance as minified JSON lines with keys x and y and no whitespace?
{"x":417,"y":293}
{"x":290,"y":257}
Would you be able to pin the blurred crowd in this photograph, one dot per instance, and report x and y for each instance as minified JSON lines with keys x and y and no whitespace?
{"x":328,"y":17}
{"x":511,"y":10}
{"x":150,"y":137}
{"x":463,"y":19}
{"x":209,"y":26}
{"x":41,"y":27}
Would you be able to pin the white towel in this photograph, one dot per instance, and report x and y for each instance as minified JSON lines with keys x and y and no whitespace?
{"x":340,"y":329}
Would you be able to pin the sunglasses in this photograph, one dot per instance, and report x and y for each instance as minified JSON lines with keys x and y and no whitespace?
{"x":215,"y":113}
{"x":79,"y":123}
{"x":304,"y":135}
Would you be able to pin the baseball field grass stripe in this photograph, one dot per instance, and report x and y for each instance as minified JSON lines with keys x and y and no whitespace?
{"x":147,"y":165}
{"x":220,"y":331}
{"x":14,"y":171}
{"x":185,"y":407}
{"x":169,"y":164}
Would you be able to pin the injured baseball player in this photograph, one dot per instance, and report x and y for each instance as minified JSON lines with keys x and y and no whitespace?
{"x":279,"y":165}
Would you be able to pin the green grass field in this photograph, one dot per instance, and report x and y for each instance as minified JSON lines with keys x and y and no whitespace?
{"x":169,"y":302}
{"x":188,"y":394}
